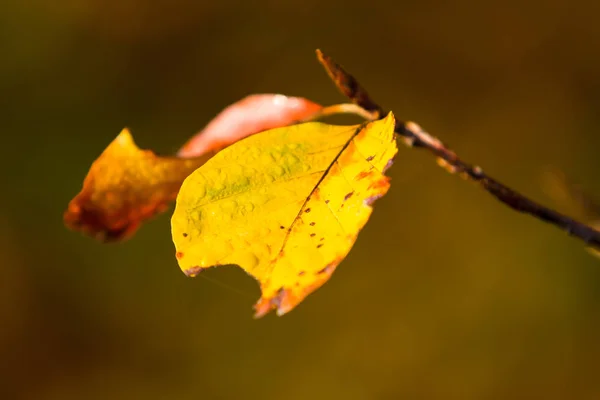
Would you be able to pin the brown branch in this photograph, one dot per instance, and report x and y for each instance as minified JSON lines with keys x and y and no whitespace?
{"x":413,"y":135}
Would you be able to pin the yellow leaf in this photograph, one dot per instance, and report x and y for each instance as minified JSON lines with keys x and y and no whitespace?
{"x":124,"y":187}
{"x":286,"y":205}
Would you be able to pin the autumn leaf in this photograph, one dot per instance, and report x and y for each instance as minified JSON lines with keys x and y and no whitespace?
{"x":126,"y":185}
{"x":286,"y":205}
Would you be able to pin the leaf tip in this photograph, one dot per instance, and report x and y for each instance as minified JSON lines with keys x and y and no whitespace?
{"x":193,"y":271}
{"x":390,"y":117}
{"x":125,"y":137}
{"x":81,"y":217}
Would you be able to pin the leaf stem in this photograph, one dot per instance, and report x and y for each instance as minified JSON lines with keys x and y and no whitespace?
{"x":414,"y":136}
{"x":344,"y":108}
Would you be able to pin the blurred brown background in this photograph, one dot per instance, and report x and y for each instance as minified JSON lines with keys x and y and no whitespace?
{"x":446,"y":295}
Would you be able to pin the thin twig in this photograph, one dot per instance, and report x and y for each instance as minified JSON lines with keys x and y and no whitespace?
{"x":414,"y":136}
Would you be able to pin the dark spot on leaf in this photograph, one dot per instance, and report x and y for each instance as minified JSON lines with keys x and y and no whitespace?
{"x":179,"y":255}
{"x":282,"y":227}
{"x":327,"y":270}
{"x":370,"y":158}
{"x":322,"y":239}
{"x":301,"y":273}
{"x":307,"y":210}
{"x":317,"y":194}
{"x":326,"y":201}
{"x":346,"y":197}
{"x":363,"y":175}
{"x":319,"y":245}
{"x":312,"y":223}
{"x":313,"y":234}
{"x":380,"y":185}
{"x":185,"y":234}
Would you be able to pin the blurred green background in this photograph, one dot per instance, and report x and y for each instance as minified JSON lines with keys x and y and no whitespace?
{"x":447,"y":293}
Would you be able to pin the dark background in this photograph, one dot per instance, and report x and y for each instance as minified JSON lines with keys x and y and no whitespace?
{"x":447,"y":293}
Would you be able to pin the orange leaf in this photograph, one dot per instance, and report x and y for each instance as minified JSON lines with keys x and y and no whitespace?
{"x":125,"y":186}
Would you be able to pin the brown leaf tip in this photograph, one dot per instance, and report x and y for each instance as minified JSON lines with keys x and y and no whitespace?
{"x":93,"y":222}
{"x":370,"y":200}
{"x":193,"y":271}
{"x":279,"y":302}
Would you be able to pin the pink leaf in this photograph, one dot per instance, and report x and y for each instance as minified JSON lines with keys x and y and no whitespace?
{"x":252,"y":114}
